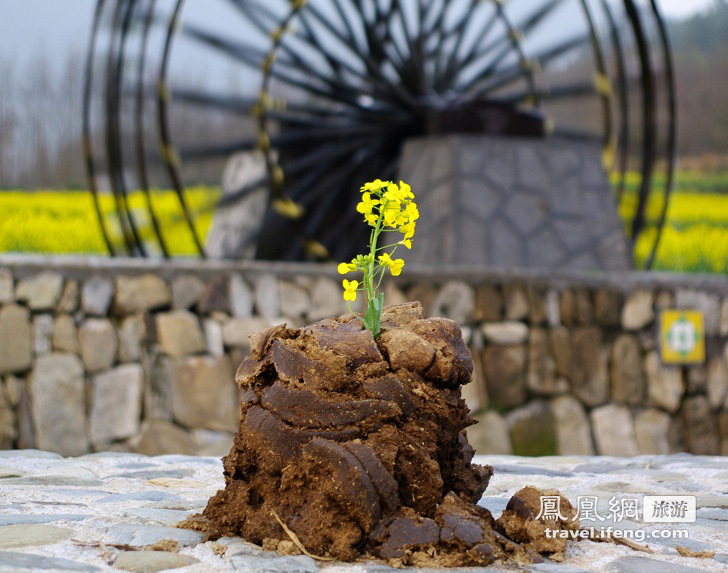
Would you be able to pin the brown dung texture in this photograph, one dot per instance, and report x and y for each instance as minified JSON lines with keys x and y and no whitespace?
{"x":350,"y":446}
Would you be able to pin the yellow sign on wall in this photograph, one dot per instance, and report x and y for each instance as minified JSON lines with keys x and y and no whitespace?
{"x":682,"y":337}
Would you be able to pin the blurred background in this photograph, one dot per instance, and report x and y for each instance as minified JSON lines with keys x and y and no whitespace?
{"x":42,"y":58}
{"x":566,"y":364}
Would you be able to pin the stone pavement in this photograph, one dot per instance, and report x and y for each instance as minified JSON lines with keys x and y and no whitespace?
{"x":101,"y":512}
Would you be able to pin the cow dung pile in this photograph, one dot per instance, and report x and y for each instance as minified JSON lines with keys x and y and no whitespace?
{"x":350,"y":447}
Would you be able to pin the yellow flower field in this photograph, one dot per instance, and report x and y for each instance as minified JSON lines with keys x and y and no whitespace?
{"x":66,"y":221}
{"x":695,"y":238}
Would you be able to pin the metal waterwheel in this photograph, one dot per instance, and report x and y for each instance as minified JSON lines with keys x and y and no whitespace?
{"x":330,"y":90}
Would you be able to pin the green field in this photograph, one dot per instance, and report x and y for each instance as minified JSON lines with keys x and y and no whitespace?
{"x":695,"y":238}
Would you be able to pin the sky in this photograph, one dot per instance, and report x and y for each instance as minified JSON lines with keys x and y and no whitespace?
{"x":28,"y":27}
{"x":682,"y":8}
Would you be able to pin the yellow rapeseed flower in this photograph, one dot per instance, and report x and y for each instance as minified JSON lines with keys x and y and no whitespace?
{"x":368,"y":201}
{"x":344,"y":268}
{"x":366,"y":207}
{"x":385,"y":259}
{"x":405,"y":190}
{"x":412,"y":212}
{"x":393,"y":193}
{"x":375,"y":185}
{"x":395,"y":266}
{"x":408,"y":230}
{"x":391,"y":214}
{"x":350,"y":290}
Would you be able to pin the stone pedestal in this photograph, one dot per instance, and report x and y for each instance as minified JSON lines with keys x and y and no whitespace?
{"x":235,"y":226}
{"x":513,"y":202}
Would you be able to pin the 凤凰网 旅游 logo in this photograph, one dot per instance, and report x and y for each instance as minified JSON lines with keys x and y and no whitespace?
{"x":670,"y":508}
{"x":619,"y":517}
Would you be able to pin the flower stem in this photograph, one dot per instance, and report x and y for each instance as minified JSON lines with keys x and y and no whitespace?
{"x":386,"y":208}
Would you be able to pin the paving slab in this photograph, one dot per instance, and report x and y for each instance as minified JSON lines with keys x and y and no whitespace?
{"x":80,"y":514}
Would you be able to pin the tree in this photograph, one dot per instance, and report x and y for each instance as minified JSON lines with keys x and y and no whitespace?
{"x":8,"y":124}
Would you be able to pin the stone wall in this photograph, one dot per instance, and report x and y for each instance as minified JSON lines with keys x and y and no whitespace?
{"x":128,"y":355}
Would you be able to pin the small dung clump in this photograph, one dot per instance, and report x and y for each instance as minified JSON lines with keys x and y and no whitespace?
{"x":350,"y":446}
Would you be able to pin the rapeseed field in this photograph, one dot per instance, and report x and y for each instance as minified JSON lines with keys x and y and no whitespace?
{"x":695,"y":238}
{"x":55,"y":222}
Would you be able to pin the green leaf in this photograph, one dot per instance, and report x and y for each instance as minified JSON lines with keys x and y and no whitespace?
{"x":373,"y":316}
{"x":378,"y":305}
{"x":369,"y":317}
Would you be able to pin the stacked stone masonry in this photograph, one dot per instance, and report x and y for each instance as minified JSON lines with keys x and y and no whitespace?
{"x":130,"y":356}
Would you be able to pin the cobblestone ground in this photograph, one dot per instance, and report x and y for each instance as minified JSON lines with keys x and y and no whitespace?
{"x":102,"y":512}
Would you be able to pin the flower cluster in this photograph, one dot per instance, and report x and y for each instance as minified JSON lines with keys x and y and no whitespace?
{"x":387,"y":207}
{"x":386,"y":204}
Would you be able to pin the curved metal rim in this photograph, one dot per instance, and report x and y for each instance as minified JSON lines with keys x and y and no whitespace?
{"x":89,"y":159}
{"x":114,"y":73}
{"x":170,"y":156}
{"x":671,"y":130}
{"x":139,"y":139}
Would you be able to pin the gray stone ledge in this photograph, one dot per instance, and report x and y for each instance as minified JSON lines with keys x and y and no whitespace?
{"x":81,"y":267}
